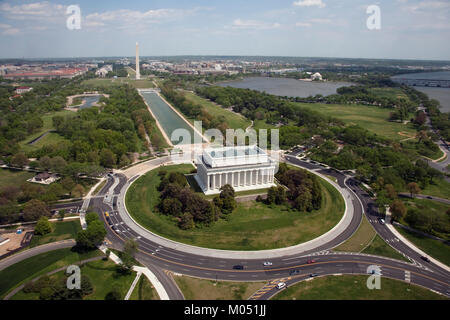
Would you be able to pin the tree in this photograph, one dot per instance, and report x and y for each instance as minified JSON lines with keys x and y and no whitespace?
{"x":186,"y":221}
{"x":107,"y":158}
{"x":90,"y":217}
{"x":34,"y":209}
{"x":131,"y":247}
{"x":43,"y":226}
{"x":398,"y":210}
{"x":390,"y":190}
{"x":19,"y":160}
{"x":413,"y":188}
{"x":91,"y":237}
{"x":58,"y":164}
{"x":124,"y":161}
{"x":62,"y":214}
{"x":114,"y":294}
{"x":45,"y":162}
{"x":78,"y":191}
{"x":227,"y":191}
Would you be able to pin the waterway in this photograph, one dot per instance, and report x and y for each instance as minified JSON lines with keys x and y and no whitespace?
{"x":89,"y":101}
{"x":169,"y":119}
{"x":440,"y":94}
{"x":286,"y":86}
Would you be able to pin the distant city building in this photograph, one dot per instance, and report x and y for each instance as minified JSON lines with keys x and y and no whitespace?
{"x":103,"y":71}
{"x":242,"y":167}
{"x":66,"y":73}
{"x":316,"y":76}
{"x":22,"y":90}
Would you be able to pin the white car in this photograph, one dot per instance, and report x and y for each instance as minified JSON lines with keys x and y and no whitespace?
{"x":382,"y":221}
{"x":267,"y":263}
{"x":281,"y":285}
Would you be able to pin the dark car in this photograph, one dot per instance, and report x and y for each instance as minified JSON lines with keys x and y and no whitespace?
{"x":425,"y":258}
{"x":312,"y":275}
{"x":428,"y":197}
{"x":238,"y":267}
{"x":293,"y":272}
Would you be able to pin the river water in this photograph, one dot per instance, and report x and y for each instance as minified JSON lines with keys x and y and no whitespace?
{"x":440,"y":94}
{"x":286,"y":86}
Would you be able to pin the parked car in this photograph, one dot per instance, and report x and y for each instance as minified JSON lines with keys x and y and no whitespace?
{"x":281,"y":285}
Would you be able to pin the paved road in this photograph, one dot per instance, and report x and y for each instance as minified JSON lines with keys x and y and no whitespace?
{"x":28,"y":253}
{"x":153,"y":254}
{"x":424,"y":196}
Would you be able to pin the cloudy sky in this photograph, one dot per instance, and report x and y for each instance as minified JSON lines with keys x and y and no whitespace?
{"x":410,"y":29}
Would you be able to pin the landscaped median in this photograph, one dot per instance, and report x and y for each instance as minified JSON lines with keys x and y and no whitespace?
{"x":251,"y":226}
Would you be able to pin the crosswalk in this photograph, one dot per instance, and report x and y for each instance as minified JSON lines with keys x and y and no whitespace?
{"x":269,"y":286}
{"x":407,"y":276}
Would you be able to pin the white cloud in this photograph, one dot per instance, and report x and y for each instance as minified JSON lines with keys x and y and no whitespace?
{"x":253,"y":24}
{"x":429,"y":5}
{"x":33,"y":11}
{"x":309,"y":3}
{"x":303,"y":24}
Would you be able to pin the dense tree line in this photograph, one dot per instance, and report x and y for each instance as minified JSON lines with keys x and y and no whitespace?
{"x":303,"y":189}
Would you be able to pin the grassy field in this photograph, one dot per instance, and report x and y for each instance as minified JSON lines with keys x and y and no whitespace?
{"x":47,"y":126}
{"x":144,"y":290}
{"x":389,"y":93}
{"x":373,"y":119}
{"x":348,"y":287}
{"x":107,"y":82}
{"x":379,"y":247}
{"x":434,"y":248}
{"x":13,"y":177}
{"x":30,"y":268}
{"x":234,"y":121}
{"x":366,"y":240}
{"x":103,"y":277}
{"x":202,"y":289}
{"x":439,"y":188}
{"x":61,"y":231}
{"x":252,"y":226}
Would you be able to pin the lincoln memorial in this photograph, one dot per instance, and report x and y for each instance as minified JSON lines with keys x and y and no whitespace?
{"x":242,"y":167}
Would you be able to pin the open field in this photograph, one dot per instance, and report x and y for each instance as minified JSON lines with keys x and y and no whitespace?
{"x":30,"y":268}
{"x":252,"y":225}
{"x":234,"y":121}
{"x":107,"y":82}
{"x":103,"y":277}
{"x":379,"y":247}
{"x":202,"y":289}
{"x":373,"y":119}
{"x":14,"y":177}
{"x":434,"y":248}
{"x":366,"y":240}
{"x":61,"y":231}
{"x":439,"y":188}
{"x":389,"y":93}
{"x":349,"y":287}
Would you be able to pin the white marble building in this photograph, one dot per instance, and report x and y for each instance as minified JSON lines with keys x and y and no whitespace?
{"x":242,"y":167}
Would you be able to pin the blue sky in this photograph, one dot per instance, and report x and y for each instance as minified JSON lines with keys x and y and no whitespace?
{"x":410,"y":29}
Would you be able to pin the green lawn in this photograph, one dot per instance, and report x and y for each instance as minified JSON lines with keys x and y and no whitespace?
{"x":430,"y":208}
{"x":144,"y":290}
{"x":439,"y":188}
{"x":14,"y":177}
{"x":389,"y":93}
{"x":61,"y":231}
{"x":373,"y":119}
{"x":103,"y":277}
{"x":434,"y":248}
{"x":252,"y":226}
{"x":379,"y":247}
{"x":202,"y":289}
{"x":349,"y":287}
{"x":107,"y":82}
{"x":234,"y":121}
{"x":366,"y":240}
{"x":30,"y":268}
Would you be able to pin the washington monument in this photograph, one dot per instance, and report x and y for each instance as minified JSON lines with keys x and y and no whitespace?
{"x":138,"y":72}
